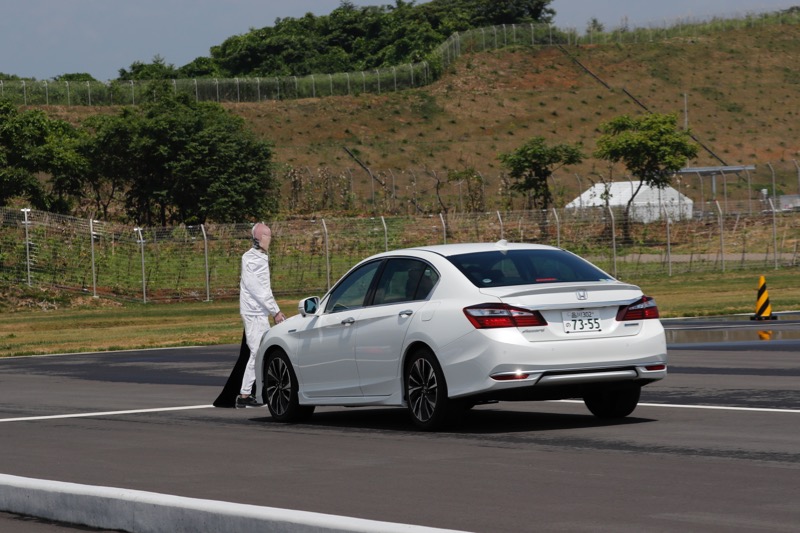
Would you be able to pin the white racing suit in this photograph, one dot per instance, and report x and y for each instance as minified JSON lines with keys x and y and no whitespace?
{"x":256,"y":305}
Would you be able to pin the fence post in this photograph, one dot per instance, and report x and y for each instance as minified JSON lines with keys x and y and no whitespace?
{"x":774,"y":194}
{"x":613,"y":239}
{"x":208,"y":274}
{"x":27,"y":244}
{"x":94,"y":268}
{"x":327,"y":253}
{"x":798,"y":175}
{"x":669,"y":242}
{"x":385,"y":234}
{"x":140,"y":240}
{"x":558,"y":227}
{"x":444,"y":227}
{"x":721,"y":235}
{"x":502,"y":230}
{"x":774,"y":234}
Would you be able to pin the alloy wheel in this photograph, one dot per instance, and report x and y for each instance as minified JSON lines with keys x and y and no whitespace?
{"x":279,"y":386}
{"x":423,"y":389}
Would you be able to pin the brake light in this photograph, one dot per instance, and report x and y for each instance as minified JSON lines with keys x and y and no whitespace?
{"x":643,"y":309}
{"x":486,"y":316}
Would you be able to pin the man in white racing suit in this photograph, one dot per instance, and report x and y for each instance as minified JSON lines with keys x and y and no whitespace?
{"x":256,"y":305}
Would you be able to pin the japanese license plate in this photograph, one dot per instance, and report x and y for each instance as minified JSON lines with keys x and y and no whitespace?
{"x":583,"y":321}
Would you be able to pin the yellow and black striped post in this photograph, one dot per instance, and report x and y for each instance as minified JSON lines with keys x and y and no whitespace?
{"x":763,"y":308}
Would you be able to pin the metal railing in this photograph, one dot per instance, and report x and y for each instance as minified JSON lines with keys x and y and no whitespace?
{"x":202,"y":262}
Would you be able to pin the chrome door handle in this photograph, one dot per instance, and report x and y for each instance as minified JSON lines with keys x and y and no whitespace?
{"x":348,"y":321}
{"x":406,"y":313}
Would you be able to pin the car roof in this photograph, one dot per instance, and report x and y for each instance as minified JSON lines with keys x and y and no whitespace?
{"x":447,"y":250}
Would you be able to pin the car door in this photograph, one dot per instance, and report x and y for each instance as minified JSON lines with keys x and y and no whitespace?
{"x":401,"y":291}
{"x":326,"y":347}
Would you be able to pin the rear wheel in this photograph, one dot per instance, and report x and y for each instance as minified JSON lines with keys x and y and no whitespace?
{"x":613,"y":403}
{"x":280,"y":390}
{"x":426,"y":390}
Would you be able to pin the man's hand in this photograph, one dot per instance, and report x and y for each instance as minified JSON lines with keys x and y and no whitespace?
{"x":280,"y":317}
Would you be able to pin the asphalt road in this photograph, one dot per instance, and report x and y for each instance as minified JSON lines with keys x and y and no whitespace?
{"x":714,"y":447}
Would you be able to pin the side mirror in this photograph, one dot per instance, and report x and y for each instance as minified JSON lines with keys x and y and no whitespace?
{"x":308,"y":306}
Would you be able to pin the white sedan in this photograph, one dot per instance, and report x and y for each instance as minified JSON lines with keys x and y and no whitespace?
{"x":446,"y":327}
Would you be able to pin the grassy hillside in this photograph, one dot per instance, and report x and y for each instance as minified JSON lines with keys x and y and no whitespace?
{"x":742,"y":90}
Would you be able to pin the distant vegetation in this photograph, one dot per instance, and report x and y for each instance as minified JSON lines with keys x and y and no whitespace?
{"x":427,"y":150}
{"x":349,"y":39}
{"x":169,"y":161}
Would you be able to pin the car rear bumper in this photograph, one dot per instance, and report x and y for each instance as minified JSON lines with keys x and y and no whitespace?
{"x":487,"y":366}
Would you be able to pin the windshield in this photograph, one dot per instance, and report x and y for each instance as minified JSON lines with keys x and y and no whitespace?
{"x":524,"y":267}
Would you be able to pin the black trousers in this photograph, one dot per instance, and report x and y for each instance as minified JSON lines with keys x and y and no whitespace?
{"x":227,"y":398}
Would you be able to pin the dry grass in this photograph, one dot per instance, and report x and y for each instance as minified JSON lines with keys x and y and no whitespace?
{"x":741,"y":86}
{"x":86,"y":326}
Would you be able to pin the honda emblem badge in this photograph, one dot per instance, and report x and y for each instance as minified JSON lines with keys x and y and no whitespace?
{"x":582,"y":295}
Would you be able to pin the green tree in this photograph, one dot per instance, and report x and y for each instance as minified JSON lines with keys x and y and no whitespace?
{"x":594,"y":26}
{"x":107,"y":147}
{"x":532,"y":164}
{"x":201,"y":67}
{"x":651,"y":147}
{"x":33,"y":146}
{"x":75,"y":76}
{"x":364,"y":38}
{"x":180,"y":161}
{"x":158,"y":69}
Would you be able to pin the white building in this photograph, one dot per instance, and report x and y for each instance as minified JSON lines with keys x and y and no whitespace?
{"x":649,"y":204}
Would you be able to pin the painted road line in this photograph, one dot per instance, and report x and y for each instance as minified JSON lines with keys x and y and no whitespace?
{"x":190,"y":407}
{"x":105,"y":413}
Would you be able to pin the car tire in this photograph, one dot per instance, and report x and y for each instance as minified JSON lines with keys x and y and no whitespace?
{"x":426,"y":390}
{"x":280,"y":390}
{"x":613,"y":403}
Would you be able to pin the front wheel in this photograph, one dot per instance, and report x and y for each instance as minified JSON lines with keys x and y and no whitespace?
{"x":613,"y":403}
{"x":280,"y":390}
{"x":426,"y":390}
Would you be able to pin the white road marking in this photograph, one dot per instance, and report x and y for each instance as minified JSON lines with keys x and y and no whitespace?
{"x":189,"y":407}
{"x":105,"y":413}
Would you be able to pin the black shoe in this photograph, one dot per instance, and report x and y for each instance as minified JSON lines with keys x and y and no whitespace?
{"x":250,"y":401}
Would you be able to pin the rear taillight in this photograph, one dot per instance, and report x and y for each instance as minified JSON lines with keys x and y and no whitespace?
{"x":643,"y":309}
{"x":486,"y":316}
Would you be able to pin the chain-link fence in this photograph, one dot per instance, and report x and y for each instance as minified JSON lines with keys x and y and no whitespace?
{"x":375,"y":81}
{"x":307,"y":256}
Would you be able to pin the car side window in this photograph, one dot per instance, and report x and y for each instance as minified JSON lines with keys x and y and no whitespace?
{"x":352,"y":291}
{"x":423,"y":286}
{"x":404,"y":280}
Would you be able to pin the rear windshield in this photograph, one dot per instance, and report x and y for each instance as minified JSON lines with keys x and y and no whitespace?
{"x":524,"y":267}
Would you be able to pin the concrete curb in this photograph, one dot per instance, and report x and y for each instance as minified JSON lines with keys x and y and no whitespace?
{"x":150,"y":512}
